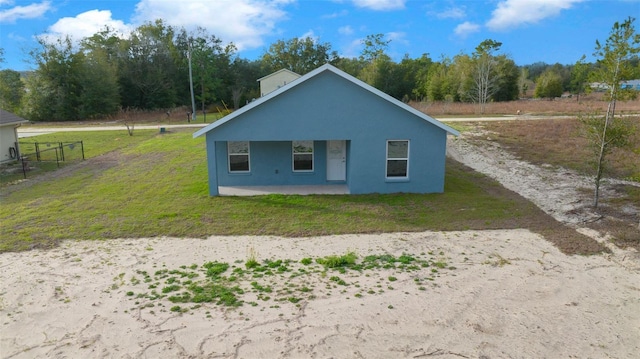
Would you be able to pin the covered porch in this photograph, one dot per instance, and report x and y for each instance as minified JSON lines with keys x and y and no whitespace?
{"x":290,"y":189}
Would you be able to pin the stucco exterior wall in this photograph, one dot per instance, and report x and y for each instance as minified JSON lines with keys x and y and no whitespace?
{"x":328,"y":107}
{"x":271,"y":164}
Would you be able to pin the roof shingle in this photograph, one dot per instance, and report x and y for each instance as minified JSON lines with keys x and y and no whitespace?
{"x":8,"y":118}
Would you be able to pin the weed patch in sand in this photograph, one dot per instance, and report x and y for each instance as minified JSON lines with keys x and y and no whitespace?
{"x":273,"y":283}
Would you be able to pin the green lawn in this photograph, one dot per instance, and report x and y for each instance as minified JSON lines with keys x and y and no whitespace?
{"x":94,"y":144}
{"x":156,"y":185}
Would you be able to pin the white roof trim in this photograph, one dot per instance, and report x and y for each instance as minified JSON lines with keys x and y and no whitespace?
{"x":14,"y":123}
{"x":296,"y":82}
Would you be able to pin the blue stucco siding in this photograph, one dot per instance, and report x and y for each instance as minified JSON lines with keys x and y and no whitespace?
{"x":212,"y":168}
{"x":325,"y":107}
{"x":271,"y":165}
{"x":426,"y":163}
{"x":330,"y":107}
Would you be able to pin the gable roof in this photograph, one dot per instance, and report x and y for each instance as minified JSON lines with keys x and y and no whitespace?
{"x":319,"y":70}
{"x":8,"y":118}
{"x":277,"y":73}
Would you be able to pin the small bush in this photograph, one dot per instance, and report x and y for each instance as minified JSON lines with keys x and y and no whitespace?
{"x":346,"y":260}
{"x":214,"y":269}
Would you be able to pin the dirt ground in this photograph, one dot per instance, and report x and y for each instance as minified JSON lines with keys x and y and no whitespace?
{"x":560,"y":144}
{"x":501,"y":293}
{"x":559,"y":192}
{"x":492,"y":294}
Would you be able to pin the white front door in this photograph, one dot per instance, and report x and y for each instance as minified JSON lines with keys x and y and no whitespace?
{"x":336,"y":160}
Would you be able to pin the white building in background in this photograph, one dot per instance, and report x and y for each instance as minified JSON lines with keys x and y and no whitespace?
{"x":9,"y":123}
{"x":276,"y":80}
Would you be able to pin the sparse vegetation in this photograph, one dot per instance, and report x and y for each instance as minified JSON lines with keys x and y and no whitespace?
{"x":557,"y":143}
{"x":252,"y":262}
{"x":270,"y":281}
{"x":347,"y":260}
{"x":526,"y":107}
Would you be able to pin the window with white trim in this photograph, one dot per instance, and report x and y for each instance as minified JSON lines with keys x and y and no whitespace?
{"x":397,"y":159}
{"x":238,"y":152}
{"x":302,"y":156}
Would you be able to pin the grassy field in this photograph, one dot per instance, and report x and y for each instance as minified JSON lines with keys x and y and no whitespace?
{"x":156,"y":185}
{"x":564,"y":106}
{"x":560,"y":143}
{"x":95,"y":143}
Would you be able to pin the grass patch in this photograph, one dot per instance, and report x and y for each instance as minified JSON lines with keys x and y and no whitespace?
{"x":347,"y":260}
{"x":95,"y":143}
{"x":157,"y":186}
{"x":249,"y":285}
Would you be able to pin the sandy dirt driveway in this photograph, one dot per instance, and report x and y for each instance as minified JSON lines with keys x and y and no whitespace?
{"x":496,"y":294}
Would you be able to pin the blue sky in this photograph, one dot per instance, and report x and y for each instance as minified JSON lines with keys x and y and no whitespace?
{"x":530,"y":30}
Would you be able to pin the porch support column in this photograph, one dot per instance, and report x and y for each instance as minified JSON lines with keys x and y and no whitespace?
{"x":212,"y":167}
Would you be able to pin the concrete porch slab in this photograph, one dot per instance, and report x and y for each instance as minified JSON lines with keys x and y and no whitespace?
{"x":301,"y":190}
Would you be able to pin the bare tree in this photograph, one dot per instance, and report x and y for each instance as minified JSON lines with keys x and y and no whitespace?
{"x":126,"y":115}
{"x":485,"y":77}
{"x":236,"y":95}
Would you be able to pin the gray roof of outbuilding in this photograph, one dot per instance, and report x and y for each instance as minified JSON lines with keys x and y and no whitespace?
{"x":8,"y":118}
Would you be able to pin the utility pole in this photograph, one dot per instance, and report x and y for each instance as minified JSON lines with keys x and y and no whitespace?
{"x":193,"y":101}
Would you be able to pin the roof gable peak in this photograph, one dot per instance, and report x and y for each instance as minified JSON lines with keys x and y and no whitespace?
{"x":325,"y":68}
{"x":277,"y":73}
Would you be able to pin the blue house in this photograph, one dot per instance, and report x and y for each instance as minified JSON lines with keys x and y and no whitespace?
{"x":327,"y":128}
{"x":631,"y":85}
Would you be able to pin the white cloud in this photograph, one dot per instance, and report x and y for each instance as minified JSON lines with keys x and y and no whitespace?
{"x":16,"y":37}
{"x":84,"y":25}
{"x":345,"y":30}
{"x":397,"y":37}
{"x":336,"y":14}
{"x":452,"y":13}
{"x":243,"y":22}
{"x":309,"y":34}
{"x":466,"y":28}
{"x":352,"y":49}
{"x":381,"y":5}
{"x":513,"y":13}
{"x":31,"y":11}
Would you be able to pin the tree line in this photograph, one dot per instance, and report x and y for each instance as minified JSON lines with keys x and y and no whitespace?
{"x":149,"y":70}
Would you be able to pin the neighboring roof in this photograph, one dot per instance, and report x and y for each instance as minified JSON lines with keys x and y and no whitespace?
{"x":312,"y":74}
{"x":278,"y":72}
{"x":631,"y":84}
{"x":8,"y":118}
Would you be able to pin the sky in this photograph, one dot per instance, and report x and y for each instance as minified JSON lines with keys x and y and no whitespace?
{"x":550,"y":31}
